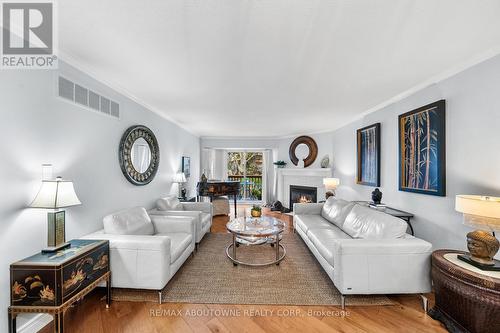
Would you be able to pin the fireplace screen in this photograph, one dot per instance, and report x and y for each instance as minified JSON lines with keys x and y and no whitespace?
{"x":302,"y":194}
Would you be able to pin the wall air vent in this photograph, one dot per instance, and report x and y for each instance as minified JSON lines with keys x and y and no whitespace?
{"x":87,"y":98}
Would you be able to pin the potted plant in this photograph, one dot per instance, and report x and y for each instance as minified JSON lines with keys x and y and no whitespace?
{"x":256,"y":211}
{"x":280,"y":164}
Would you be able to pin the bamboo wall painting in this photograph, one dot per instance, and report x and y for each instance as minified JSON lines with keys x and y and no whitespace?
{"x":422,"y":158}
{"x":368,"y":146}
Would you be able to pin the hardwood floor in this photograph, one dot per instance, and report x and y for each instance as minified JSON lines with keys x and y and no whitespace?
{"x":91,"y":315}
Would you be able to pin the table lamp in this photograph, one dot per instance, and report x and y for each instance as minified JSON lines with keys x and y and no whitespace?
{"x":330,"y":185}
{"x":54,"y":195}
{"x":481,"y":212}
{"x":180,"y":178}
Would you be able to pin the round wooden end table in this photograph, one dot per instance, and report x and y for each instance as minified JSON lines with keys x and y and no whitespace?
{"x":467,"y":298}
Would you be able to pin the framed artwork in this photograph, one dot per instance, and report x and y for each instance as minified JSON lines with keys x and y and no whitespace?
{"x":186,"y":166}
{"x":368,"y":152}
{"x":422,"y":145}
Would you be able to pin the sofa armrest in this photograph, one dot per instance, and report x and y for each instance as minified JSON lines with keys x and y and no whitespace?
{"x":307,"y":208}
{"x":381,"y":246}
{"x":133,"y":242}
{"x":383,"y":266}
{"x":205,"y":207}
{"x":171,"y":224}
{"x":138,"y":261}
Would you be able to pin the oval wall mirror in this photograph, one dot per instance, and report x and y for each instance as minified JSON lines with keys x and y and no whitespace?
{"x":139,"y":155}
{"x":303,"y":148}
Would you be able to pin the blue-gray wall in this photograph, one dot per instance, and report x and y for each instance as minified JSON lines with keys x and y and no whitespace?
{"x":39,"y":127}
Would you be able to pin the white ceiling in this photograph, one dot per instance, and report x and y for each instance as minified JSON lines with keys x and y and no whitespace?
{"x":272,"y":67}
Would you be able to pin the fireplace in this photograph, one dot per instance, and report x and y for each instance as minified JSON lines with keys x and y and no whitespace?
{"x":302,"y":194}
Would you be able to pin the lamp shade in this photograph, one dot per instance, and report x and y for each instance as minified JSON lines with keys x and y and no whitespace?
{"x":479,"y":211}
{"x":55,"y":194}
{"x":180,"y":177}
{"x":331,"y":183}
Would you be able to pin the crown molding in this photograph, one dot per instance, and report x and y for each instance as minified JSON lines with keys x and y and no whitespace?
{"x":476,"y":60}
{"x":423,"y":85}
{"x":455,"y":70}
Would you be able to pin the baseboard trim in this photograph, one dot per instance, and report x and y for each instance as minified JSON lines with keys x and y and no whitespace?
{"x":35,"y":324}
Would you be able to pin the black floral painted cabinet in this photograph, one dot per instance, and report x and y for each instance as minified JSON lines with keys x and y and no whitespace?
{"x":55,"y":280}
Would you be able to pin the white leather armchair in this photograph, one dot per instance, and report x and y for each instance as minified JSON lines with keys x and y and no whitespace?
{"x":200,"y":211}
{"x":146,"y":252}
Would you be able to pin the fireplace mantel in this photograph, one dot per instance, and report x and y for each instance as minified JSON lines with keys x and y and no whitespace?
{"x":300,"y":176}
{"x":322,"y":172}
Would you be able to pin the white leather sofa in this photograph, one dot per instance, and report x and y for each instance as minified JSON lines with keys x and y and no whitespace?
{"x":200,"y":211}
{"x":146,"y":252}
{"x":362,"y":250}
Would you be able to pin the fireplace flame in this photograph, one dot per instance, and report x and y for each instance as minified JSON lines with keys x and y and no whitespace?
{"x":304,"y":199}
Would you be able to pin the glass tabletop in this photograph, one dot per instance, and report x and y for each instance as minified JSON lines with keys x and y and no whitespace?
{"x":258,"y":227}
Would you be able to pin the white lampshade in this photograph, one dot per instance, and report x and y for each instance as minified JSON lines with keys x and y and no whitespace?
{"x":55,"y":194}
{"x":331,"y":183}
{"x":180,"y":177}
{"x":479,"y":211}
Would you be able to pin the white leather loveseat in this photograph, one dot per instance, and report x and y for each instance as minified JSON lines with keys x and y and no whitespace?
{"x":200,"y":211}
{"x":145,"y":252}
{"x":362,"y":250}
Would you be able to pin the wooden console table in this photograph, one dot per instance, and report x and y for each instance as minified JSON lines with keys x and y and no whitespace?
{"x":52,"y":282}
{"x":467,"y":299}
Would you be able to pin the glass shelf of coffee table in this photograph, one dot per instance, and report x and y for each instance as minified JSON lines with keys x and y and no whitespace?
{"x":256,"y":231}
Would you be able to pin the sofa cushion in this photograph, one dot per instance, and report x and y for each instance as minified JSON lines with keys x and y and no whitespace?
{"x":323,"y":241}
{"x":327,"y":206}
{"x":179,"y":242}
{"x":367,"y":223}
{"x":133,"y":221}
{"x":336,"y":210}
{"x":305,"y":222}
{"x":169,"y":203}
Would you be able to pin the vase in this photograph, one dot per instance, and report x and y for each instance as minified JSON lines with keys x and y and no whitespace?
{"x":256,"y":213}
{"x":325,"y":162}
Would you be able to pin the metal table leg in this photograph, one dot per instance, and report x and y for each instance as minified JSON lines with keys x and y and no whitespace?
{"x":234,"y":249}
{"x":235,"y":211}
{"x":277,"y":249}
{"x":280,"y":255}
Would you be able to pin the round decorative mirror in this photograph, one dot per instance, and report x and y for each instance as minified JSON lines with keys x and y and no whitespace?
{"x":139,"y":155}
{"x":303,"y":148}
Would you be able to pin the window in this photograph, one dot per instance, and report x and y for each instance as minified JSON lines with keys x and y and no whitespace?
{"x":246,"y":167}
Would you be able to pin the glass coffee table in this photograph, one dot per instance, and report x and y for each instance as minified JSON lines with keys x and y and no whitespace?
{"x":255,"y":231}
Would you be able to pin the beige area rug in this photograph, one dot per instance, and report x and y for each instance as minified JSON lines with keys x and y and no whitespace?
{"x":210,"y":277}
